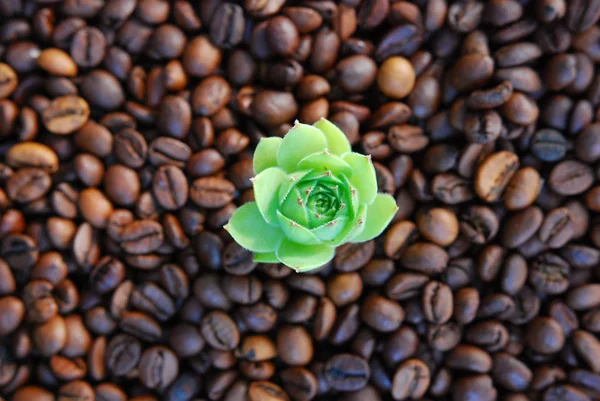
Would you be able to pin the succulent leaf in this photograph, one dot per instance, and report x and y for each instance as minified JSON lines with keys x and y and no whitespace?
{"x":301,"y":141}
{"x":353,"y":227}
{"x":244,"y":225}
{"x":265,"y":155}
{"x":294,"y":208}
{"x":266,"y":257}
{"x":296,"y":232}
{"x":363,"y":178}
{"x":325,"y":160}
{"x":304,"y":257}
{"x":266,"y":185}
{"x":337,"y":142}
{"x":379,"y":215}
{"x":330,"y":230}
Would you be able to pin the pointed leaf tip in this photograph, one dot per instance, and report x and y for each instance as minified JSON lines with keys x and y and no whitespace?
{"x":363,"y":177}
{"x":265,"y":155}
{"x":379,"y":214}
{"x":251,"y":231}
{"x":266,"y":189}
{"x":337,"y":141}
{"x":304,"y":258}
{"x":301,"y":141}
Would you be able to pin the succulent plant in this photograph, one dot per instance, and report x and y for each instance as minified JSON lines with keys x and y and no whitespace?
{"x":312,"y":194}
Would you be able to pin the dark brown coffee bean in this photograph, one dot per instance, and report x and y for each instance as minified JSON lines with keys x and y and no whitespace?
{"x":478,"y":387}
{"x":570,"y":178}
{"x":544,"y":335}
{"x":347,"y":372}
{"x":299,"y":355}
{"x":158,"y":367}
{"x":425,"y":257}
{"x":470,"y":358}
{"x":407,"y":138}
{"x":88,"y":47}
{"x":211,"y":95}
{"x":130,"y":148}
{"x":549,"y":273}
{"x":140,"y":325}
{"x":583,"y":297}
{"x":141,"y":237}
{"x":582,"y":14}
{"x":170,"y":187}
{"x":510,"y":372}
{"x":382,"y":314}
{"x":219,"y":331}
{"x":471,"y":71}
{"x":12,"y":311}
{"x":122,"y":354}
{"x":28,"y":184}
{"x":556,"y":230}
{"x":174,"y":117}
{"x":437,"y":302}
{"x":212,"y":192}
{"x":411,"y":380}
{"x":521,"y":226}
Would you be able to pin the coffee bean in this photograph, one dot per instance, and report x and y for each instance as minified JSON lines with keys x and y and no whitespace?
{"x":211,"y":192}
{"x":425,"y":257}
{"x":347,"y":372}
{"x":521,"y":226}
{"x":474,"y":387}
{"x":544,"y":335}
{"x":8,"y":80}
{"x":556,"y":230}
{"x":174,"y":116}
{"x":76,"y":390}
{"x":471,"y":71}
{"x":141,"y":237}
{"x":510,"y":372}
{"x":12,"y":311}
{"x":158,"y":367}
{"x":140,"y":325}
{"x":122,"y":354}
{"x":219,"y":331}
{"x":382,"y":314}
{"x":57,"y":62}
{"x":28,"y":184}
{"x":570,"y":178}
{"x":437,"y":302}
{"x":88,"y":47}
{"x":102,"y":89}
{"x":411,"y":380}
{"x":170,"y":187}
{"x":264,"y":390}
{"x":66,"y":114}
{"x":34,"y":155}
{"x":302,"y":351}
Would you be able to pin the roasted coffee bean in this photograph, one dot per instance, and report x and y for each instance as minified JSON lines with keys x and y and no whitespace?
{"x":347,"y":372}
{"x":211,"y":192}
{"x":219,"y":331}
{"x":28,"y":184}
{"x":544,"y":335}
{"x":437,"y":302}
{"x":411,"y":380}
{"x":141,"y":237}
{"x":158,"y":367}
{"x":570,"y":178}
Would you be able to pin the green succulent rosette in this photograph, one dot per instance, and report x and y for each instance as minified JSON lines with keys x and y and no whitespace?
{"x":312,"y":194}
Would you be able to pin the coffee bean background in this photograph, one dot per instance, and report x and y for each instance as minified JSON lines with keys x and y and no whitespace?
{"x":127,"y":129}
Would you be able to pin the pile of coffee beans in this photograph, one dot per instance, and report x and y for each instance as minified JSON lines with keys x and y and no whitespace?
{"x":127,"y":129}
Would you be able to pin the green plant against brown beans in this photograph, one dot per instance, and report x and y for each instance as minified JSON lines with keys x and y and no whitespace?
{"x":312,"y":194}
